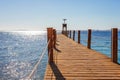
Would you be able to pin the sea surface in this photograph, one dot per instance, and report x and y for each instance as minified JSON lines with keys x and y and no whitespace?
{"x":20,"y":51}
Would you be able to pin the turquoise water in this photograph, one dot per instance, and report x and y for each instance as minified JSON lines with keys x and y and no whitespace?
{"x":101,"y":41}
{"x":19,"y":52}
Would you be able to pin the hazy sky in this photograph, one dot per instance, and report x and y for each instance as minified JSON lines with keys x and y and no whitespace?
{"x":40,"y":14}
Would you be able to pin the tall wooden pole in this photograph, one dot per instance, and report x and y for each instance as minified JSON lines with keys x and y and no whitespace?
{"x":89,"y":39}
{"x":79,"y":36}
{"x":54,"y":34}
{"x":114,"y":47}
{"x":50,"y":46}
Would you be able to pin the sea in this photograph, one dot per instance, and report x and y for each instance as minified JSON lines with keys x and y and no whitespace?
{"x":20,"y":51}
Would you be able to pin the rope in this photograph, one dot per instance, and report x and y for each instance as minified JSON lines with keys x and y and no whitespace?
{"x":40,"y":58}
{"x":101,"y":37}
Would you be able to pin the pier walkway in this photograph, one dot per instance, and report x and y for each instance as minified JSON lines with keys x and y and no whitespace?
{"x":73,"y":61}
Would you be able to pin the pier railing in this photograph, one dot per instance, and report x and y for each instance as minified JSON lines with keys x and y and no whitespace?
{"x":114,"y":41}
{"x":51,"y":35}
{"x":36,"y":67}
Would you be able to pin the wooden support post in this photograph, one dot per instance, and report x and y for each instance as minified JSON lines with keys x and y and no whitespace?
{"x":67,"y":33}
{"x":70,"y":33}
{"x":79,"y":36}
{"x":114,"y":43}
{"x":74,"y":35}
{"x":89,"y":39}
{"x":50,"y":46}
{"x":54,"y":38}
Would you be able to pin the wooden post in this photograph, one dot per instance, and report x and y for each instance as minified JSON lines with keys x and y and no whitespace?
{"x":74,"y":35}
{"x":79,"y":36}
{"x":114,"y":47}
{"x":67,"y":33}
{"x":70,"y":33}
{"x":89,"y":39}
{"x":54,"y":38}
{"x":50,"y":46}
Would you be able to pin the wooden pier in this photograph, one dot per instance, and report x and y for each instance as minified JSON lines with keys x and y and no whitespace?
{"x":73,"y":61}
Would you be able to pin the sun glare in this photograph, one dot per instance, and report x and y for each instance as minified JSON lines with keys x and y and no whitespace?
{"x":31,"y":32}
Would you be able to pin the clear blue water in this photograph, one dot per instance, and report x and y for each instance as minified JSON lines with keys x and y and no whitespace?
{"x":101,"y":41}
{"x":19,"y":52}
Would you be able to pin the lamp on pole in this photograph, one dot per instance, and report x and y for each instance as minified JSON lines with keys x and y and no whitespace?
{"x":64,"y":20}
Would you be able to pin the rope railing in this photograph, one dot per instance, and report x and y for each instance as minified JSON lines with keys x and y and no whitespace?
{"x":84,"y":38}
{"x":94,"y":44}
{"x":36,"y":65}
{"x":101,"y":46}
{"x":99,"y":37}
{"x":113,"y":40}
{"x":51,"y":35}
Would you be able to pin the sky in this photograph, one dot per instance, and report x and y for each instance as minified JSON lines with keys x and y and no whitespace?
{"x":39,"y":14}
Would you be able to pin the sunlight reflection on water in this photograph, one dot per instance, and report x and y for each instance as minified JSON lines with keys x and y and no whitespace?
{"x":19,"y":51}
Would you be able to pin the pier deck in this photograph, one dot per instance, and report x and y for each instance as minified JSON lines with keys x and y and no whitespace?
{"x":73,"y":61}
